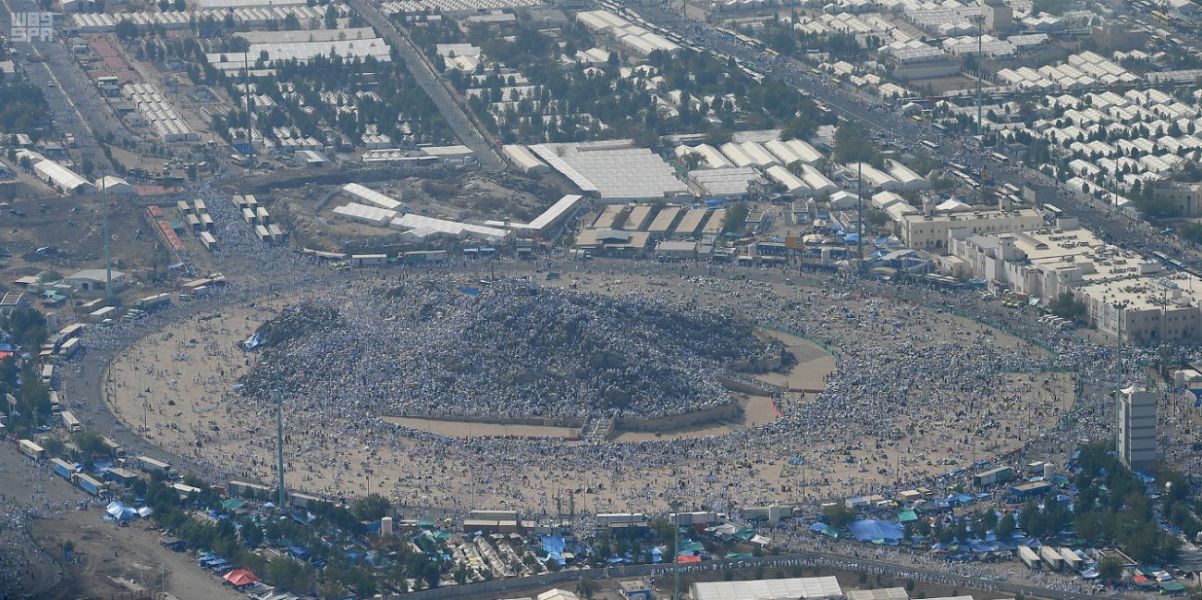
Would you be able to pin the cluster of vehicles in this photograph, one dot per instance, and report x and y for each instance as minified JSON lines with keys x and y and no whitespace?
{"x":74,"y":474}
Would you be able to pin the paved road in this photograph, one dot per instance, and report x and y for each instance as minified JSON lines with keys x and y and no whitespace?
{"x":453,"y":112}
{"x":49,"y":67}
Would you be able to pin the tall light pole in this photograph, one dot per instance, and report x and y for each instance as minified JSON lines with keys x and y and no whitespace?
{"x":860,"y":213}
{"x":675,"y":554}
{"x":108,"y":257}
{"x":279,"y":434}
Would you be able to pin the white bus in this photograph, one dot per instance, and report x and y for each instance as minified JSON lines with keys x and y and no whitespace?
{"x":929,"y":145}
{"x":32,"y":450}
{"x":151,"y":465}
{"x":70,"y":422}
{"x":69,"y":348}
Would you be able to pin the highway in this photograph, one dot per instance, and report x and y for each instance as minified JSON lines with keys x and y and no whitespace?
{"x":455,"y":114}
{"x":49,"y":67}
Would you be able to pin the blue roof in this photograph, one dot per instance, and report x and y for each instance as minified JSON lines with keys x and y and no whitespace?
{"x":867,"y":530}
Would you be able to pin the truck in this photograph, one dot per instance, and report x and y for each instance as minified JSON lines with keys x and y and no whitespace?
{"x":1028,"y":557}
{"x":31,"y":449}
{"x":185,"y":490}
{"x":114,"y":448}
{"x":88,"y":484}
{"x":1051,"y":557}
{"x":154,"y":301}
{"x":993,"y":477}
{"x":151,"y":465}
{"x":1072,"y":562}
{"x":70,"y":422}
{"x":64,"y":469}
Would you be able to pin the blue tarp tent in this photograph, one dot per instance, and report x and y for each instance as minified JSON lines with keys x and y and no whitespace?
{"x":553,"y":545}
{"x":120,"y":512}
{"x":867,"y":530}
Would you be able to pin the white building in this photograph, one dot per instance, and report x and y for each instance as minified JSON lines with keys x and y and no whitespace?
{"x":931,"y":231}
{"x":1137,"y":428}
{"x":1126,"y":296}
{"x":798,"y":588}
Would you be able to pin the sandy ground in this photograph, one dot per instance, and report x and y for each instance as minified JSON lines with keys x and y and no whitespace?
{"x":813,"y":365}
{"x":108,"y":561}
{"x":178,"y":384}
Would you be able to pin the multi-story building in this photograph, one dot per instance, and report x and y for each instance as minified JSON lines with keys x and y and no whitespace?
{"x":1187,"y":197}
{"x":930,"y":231}
{"x":1137,"y":428}
{"x":1127,"y":296}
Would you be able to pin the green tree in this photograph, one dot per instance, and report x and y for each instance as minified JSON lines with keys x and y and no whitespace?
{"x":838,"y":515}
{"x":27,"y":327}
{"x":371,"y":507}
{"x":853,"y":144}
{"x":736,"y":218}
{"x":89,"y":443}
{"x":126,"y":30}
{"x":289,"y":575}
{"x":1066,"y":306}
{"x":1110,"y":568}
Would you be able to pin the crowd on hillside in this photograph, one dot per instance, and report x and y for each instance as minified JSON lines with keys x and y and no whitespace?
{"x":509,"y":350}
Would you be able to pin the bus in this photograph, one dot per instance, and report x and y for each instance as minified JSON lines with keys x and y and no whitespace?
{"x":929,"y":145}
{"x":31,"y":449}
{"x":68,"y":332}
{"x":70,"y":422}
{"x":151,"y":465}
{"x":69,"y":348}
{"x":1002,"y":158}
{"x":112,"y":445}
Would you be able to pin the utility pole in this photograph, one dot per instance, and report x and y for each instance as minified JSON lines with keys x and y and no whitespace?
{"x":279,"y":434}
{"x":108,"y":256}
{"x":980,"y":71}
{"x":860,"y":213}
{"x":250,"y":120}
{"x":675,"y":554}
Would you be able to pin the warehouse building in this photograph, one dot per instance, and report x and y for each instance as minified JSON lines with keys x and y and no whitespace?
{"x":664,"y":220}
{"x":524,"y":159}
{"x":63,"y":180}
{"x":370,"y":196}
{"x":302,"y":46}
{"x":615,"y":171}
{"x":798,"y":588}
{"x":731,"y":182}
{"x":551,"y":219}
